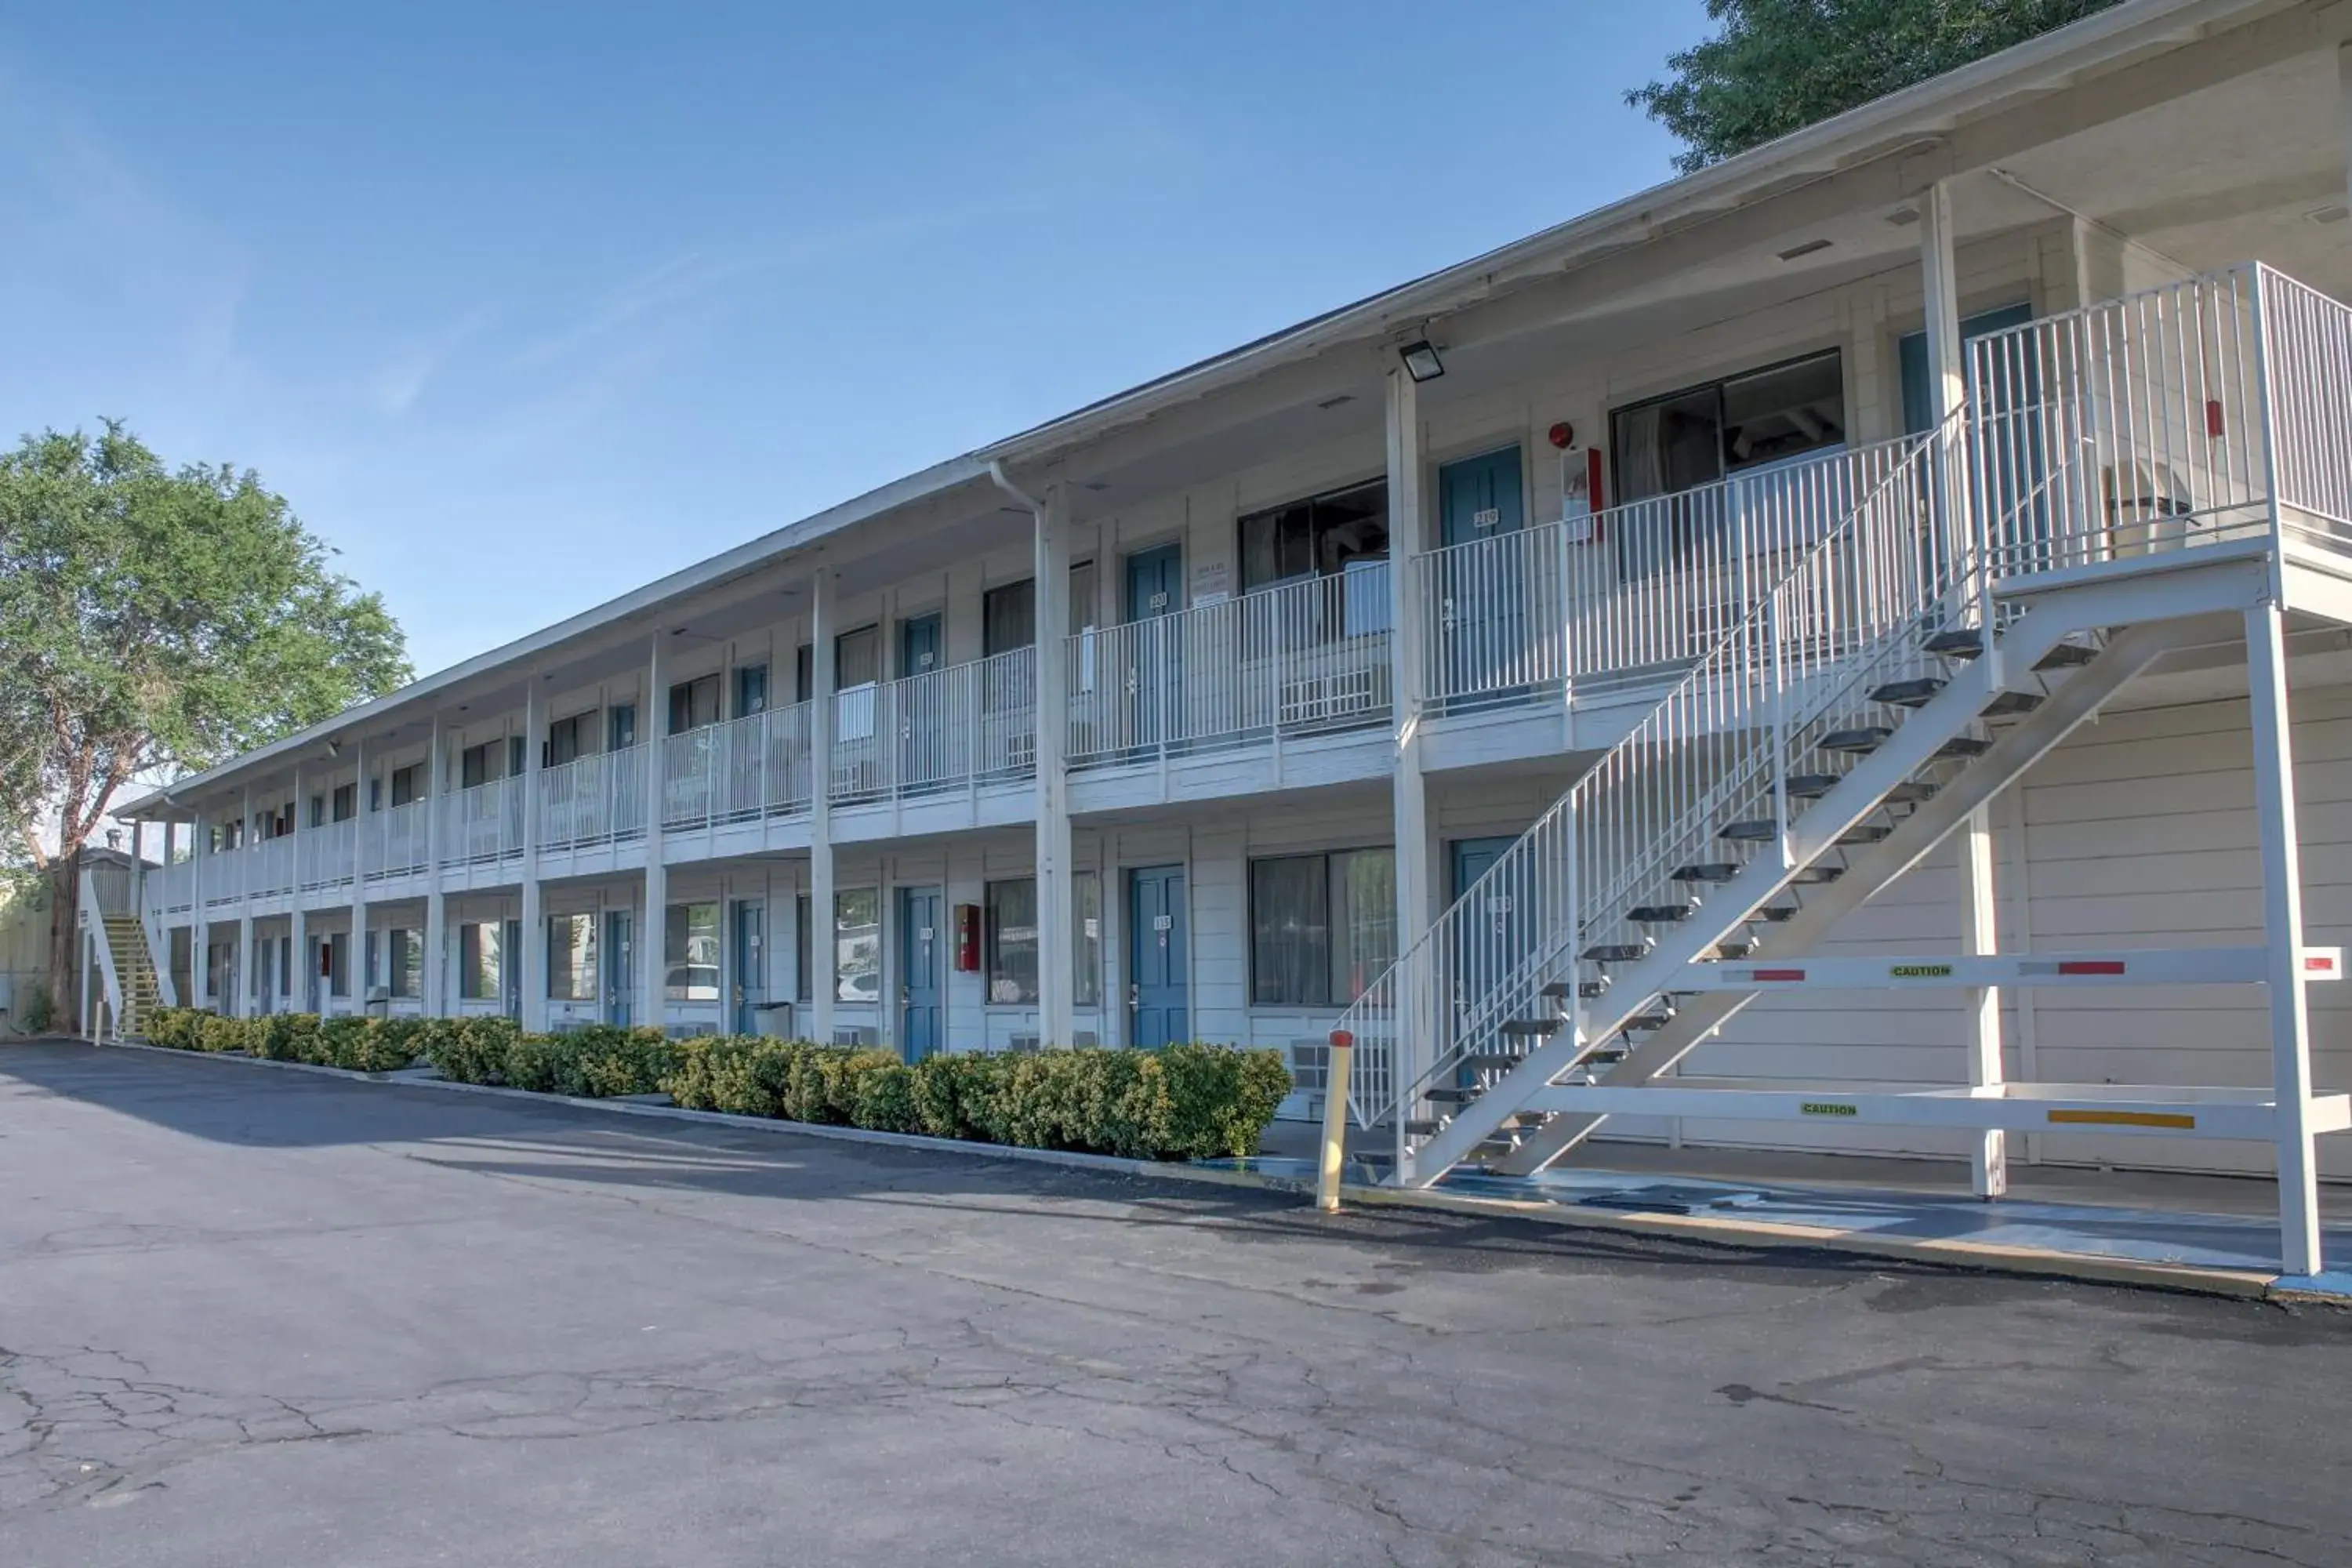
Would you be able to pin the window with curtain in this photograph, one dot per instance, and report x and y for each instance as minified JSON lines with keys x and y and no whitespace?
{"x":693,"y":704}
{"x":480,"y":764}
{"x":1086,"y":916}
{"x":572,"y":958}
{"x":1012,"y":942}
{"x":405,"y":976}
{"x":1318,"y":537}
{"x":1322,"y":926}
{"x":691,"y":953}
{"x":569,"y":740}
{"x":346,"y":801}
{"x":479,"y":960}
{"x":621,"y":727}
{"x":857,"y":945}
{"x":1008,"y":618}
{"x":407,"y":784}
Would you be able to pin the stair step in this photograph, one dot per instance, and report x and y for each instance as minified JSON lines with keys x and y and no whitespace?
{"x":1866,"y":834}
{"x":2010,"y":704}
{"x":1605,"y":1056}
{"x":2066,"y":655}
{"x":1491,"y":1062}
{"x":1776,"y":914}
{"x":1529,"y":1028}
{"x":1757,"y":830}
{"x":1451,"y":1094}
{"x":1814,"y":875}
{"x":1963,"y":746}
{"x":1655,"y":1018}
{"x":1914,"y":693}
{"x":1812,"y":786}
{"x":1555,"y":989}
{"x":1961,"y":642}
{"x":1592,"y":989}
{"x":1910,"y":792}
{"x":1857,"y":742}
{"x":1732,"y":952}
{"x":1660,"y":914}
{"x":1617,"y":951}
{"x":1708,"y":871}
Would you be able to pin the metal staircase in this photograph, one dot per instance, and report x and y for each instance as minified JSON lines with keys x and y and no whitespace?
{"x":1973,"y":603}
{"x":117,"y":941}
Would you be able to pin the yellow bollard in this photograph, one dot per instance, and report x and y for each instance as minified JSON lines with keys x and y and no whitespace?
{"x":1335,"y":1123}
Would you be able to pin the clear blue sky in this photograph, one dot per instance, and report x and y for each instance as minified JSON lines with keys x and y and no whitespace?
{"x":522,"y":304}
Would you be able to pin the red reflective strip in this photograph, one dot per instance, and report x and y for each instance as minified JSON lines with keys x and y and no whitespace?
{"x":1779,"y":974}
{"x":2323,"y":965}
{"x":2093,"y":966}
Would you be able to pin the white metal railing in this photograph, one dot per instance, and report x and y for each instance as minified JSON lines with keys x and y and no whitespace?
{"x":740,"y":771}
{"x":398,"y":841}
{"x":2308,"y":350}
{"x":1633,"y":592}
{"x":1298,"y":659}
{"x":949,"y":729}
{"x":329,"y":851}
{"x":482,"y":824}
{"x":269,"y":868}
{"x":2132,"y":428}
{"x":598,"y":799}
{"x":171,"y":889}
{"x":1719,"y":747}
{"x":93,"y":911}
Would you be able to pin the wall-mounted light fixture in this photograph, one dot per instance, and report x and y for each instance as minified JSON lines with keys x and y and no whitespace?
{"x":1420,"y":361}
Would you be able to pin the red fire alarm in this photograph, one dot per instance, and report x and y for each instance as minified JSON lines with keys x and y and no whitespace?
{"x":2214,"y":425}
{"x":967,"y":957}
{"x":1563,"y":435}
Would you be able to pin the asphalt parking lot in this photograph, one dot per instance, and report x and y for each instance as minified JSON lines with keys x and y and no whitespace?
{"x":253,"y":1317}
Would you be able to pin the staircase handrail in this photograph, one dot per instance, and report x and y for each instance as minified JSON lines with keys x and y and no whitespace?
{"x":1726,"y":680}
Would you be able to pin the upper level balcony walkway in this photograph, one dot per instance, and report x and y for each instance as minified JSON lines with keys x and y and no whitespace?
{"x":2118,"y":439}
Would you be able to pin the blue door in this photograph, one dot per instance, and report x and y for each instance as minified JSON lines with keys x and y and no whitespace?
{"x":1481,"y":966}
{"x":620,"y":966}
{"x":922,"y":948}
{"x":1155,"y":588}
{"x":750,"y":962}
{"x":919,"y":717}
{"x":1156,"y":967}
{"x":510,"y":969}
{"x":1483,"y":605}
{"x":2008,"y":417}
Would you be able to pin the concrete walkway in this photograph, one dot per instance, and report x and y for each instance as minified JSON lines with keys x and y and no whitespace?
{"x":2218,"y":1224}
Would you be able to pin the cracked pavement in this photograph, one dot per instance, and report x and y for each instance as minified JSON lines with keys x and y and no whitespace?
{"x":253,"y":1317}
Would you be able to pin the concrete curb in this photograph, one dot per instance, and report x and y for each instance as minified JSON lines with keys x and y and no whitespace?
{"x":1705,"y":1229}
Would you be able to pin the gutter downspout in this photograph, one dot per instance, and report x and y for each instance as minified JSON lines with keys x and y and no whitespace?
{"x":1005,"y":482}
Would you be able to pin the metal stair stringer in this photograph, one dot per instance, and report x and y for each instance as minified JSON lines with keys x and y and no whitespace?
{"x":2074,"y":704}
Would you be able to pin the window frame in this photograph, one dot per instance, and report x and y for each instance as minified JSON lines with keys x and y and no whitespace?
{"x":678,"y":943}
{"x":574,"y":980}
{"x":1337,"y":937}
{"x":1002,"y":951}
{"x":846,"y":940}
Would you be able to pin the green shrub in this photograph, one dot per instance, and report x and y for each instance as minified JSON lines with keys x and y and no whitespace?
{"x":1222,"y":1098}
{"x":39,"y":1011}
{"x":214,"y":1033}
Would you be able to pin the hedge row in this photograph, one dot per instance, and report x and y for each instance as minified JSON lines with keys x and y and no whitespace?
{"x":1195,"y":1101}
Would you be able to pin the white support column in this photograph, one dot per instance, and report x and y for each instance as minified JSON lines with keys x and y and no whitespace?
{"x":355,"y":964}
{"x":199,"y":928}
{"x":2298,"y":1167}
{"x":1416,"y":879}
{"x":2344,"y":99}
{"x":1989,"y":1153}
{"x":436,"y":902}
{"x":247,"y":990}
{"x":534,"y":919}
{"x":822,"y":949}
{"x":1057,"y":941}
{"x":653,"y":934}
{"x":1947,"y":386}
{"x":297,"y":963}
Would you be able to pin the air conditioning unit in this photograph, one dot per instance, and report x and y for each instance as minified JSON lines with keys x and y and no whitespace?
{"x":1025,"y":1043}
{"x":856,"y":1034}
{"x":1084,"y":1039}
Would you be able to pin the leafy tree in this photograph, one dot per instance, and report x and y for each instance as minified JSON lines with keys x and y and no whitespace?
{"x":153,"y":623}
{"x":1778,"y":66}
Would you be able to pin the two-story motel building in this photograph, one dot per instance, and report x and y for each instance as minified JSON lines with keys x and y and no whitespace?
{"x":1167,"y":719}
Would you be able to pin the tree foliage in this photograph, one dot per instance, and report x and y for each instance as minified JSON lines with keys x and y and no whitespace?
{"x":1777,"y":65}
{"x":155,"y":621}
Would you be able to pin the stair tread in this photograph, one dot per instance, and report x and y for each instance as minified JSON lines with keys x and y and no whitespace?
{"x":1909,"y":693}
{"x":1860,"y":738}
{"x":1708,"y":871}
{"x":1660,"y":914}
{"x":2066,"y":655}
{"x":1616,"y":953}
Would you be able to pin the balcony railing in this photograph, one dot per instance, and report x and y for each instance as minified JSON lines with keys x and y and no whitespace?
{"x":1301,"y":660}
{"x":958,"y":728}
{"x":482,"y":825}
{"x":595,"y":800}
{"x":398,"y":842}
{"x":753,"y":767}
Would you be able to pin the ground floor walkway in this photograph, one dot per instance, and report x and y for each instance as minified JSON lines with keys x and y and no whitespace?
{"x":250,"y":1316}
